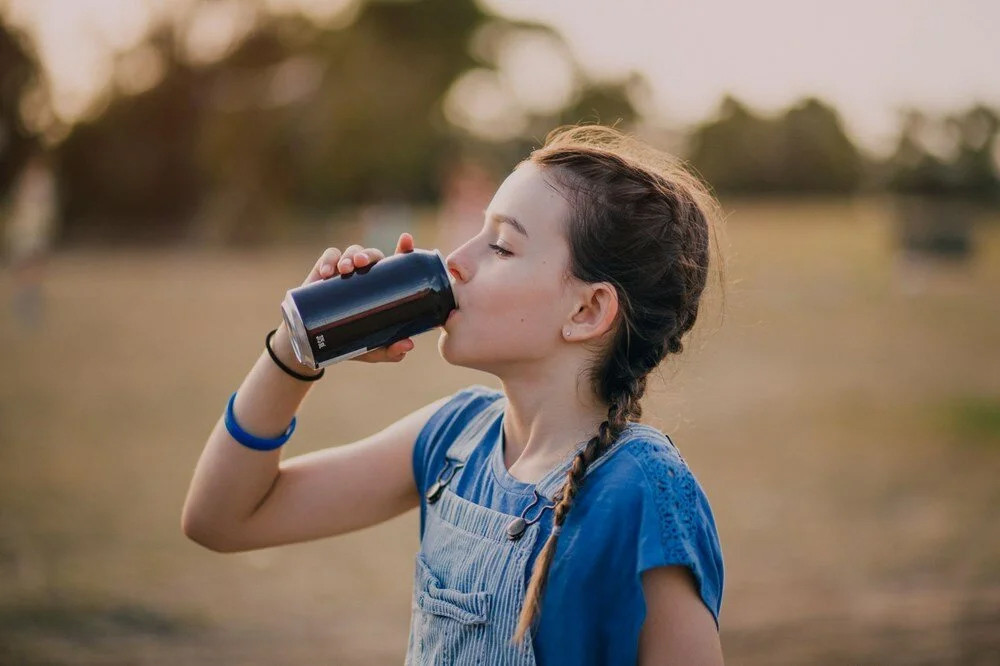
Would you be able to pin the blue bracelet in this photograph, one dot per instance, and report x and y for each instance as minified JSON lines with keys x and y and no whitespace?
{"x":252,"y":441}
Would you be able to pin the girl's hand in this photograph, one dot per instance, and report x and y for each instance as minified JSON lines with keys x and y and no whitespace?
{"x":334,"y":262}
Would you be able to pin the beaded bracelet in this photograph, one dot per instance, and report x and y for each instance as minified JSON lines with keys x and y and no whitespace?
{"x":252,"y":441}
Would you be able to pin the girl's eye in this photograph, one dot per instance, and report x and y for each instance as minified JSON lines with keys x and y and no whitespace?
{"x":500,"y":251}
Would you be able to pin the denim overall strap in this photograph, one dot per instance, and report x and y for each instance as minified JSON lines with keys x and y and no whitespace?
{"x":472,"y":435}
{"x":469,"y":576}
{"x":468,"y":439}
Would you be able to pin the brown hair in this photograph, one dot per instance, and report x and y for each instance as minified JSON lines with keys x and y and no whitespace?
{"x":641,"y":222}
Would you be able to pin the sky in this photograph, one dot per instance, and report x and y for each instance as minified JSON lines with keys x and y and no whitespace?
{"x":870,"y":58}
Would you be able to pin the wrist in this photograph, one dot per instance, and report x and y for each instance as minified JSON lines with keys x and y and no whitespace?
{"x":281,"y":345}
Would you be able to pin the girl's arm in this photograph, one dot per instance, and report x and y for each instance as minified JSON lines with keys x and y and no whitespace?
{"x":240,"y":498}
{"x":678,"y":629}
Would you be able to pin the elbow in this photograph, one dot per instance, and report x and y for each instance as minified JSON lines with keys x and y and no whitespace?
{"x":206,"y":535}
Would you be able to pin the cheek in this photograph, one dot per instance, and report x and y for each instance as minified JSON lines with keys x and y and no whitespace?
{"x":525,"y":305}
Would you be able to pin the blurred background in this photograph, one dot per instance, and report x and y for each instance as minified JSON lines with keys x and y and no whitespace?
{"x":168,"y":168}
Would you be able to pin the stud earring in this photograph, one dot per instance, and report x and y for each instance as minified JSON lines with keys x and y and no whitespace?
{"x":566,"y":333}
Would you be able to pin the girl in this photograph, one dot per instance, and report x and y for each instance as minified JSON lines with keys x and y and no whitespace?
{"x":554,"y":527}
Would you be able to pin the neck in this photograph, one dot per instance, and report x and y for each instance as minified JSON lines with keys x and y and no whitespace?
{"x":545,"y":421}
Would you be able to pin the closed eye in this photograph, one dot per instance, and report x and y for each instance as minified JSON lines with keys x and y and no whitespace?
{"x":500,"y":251}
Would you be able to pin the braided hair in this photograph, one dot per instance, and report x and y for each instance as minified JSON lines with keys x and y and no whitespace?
{"x":641,"y":222}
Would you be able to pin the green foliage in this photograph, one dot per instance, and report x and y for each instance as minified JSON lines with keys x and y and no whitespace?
{"x":968,"y":171}
{"x":298,"y":119}
{"x":132,"y":171}
{"x":18,"y":71}
{"x":804,"y":150}
{"x":974,"y":419}
{"x":228,"y":141}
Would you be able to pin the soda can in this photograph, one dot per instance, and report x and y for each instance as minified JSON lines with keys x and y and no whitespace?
{"x":348,"y":315}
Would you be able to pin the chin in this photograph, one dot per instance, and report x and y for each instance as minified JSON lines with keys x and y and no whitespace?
{"x":450,"y":352}
{"x":446,"y":348}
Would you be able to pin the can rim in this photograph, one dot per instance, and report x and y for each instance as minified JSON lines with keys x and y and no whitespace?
{"x":296,"y":331}
{"x":447,"y":278}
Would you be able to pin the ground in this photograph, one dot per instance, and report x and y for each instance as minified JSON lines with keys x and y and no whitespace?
{"x":842,"y":417}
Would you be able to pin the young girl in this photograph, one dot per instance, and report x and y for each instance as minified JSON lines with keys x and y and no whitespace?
{"x":554,"y":527}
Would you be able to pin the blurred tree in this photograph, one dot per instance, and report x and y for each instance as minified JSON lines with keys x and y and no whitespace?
{"x":964,"y":168}
{"x":606,"y":103}
{"x":130,"y":174}
{"x":294,"y":113}
{"x":19,"y":72}
{"x":805,"y":150}
{"x":912,"y":168}
{"x":294,"y":118}
{"x":375,"y":129}
{"x":819,"y":157}
{"x":978,"y":152}
{"x":737,"y":152}
{"x":938,"y":192}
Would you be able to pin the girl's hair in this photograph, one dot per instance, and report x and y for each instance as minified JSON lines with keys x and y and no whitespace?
{"x":642,"y":223}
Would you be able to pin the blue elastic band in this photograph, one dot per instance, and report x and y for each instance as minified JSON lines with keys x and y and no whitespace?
{"x":252,"y":441}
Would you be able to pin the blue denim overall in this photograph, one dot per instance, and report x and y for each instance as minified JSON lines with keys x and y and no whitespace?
{"x":471,"y":576}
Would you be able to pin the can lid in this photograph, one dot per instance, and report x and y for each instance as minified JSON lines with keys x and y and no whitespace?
{"x":297,"y":331}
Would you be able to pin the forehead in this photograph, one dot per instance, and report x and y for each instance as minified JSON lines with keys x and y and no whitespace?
{"x":532,"y":196}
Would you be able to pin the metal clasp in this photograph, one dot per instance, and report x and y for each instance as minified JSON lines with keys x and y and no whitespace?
{"x":434,"y":492}
{"x":517,"y":527}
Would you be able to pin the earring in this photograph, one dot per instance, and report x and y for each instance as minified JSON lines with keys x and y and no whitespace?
{"x":566,"y":332}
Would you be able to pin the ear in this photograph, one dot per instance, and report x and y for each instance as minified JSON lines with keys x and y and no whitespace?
{"x":595,"y":312}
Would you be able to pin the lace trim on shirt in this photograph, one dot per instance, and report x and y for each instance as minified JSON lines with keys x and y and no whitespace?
{"x":675,"y":494}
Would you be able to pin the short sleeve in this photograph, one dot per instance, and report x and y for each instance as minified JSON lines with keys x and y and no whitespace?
{"x":677,"y":526}
{"x":440,"y":431}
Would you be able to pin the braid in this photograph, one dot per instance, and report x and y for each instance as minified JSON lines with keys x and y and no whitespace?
{"x":624,"y":404}
{"x":640,"y":222}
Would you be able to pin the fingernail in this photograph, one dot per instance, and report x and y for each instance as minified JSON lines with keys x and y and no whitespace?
{"x":325,"y":268}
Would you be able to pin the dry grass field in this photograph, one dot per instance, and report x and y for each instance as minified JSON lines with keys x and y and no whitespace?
{"x":842,"y":417}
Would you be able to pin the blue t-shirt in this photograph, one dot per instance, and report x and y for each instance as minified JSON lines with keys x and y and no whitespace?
{"x":640,"y":509}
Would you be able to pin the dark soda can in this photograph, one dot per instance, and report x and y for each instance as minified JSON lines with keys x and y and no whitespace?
{"x":348,"y":315}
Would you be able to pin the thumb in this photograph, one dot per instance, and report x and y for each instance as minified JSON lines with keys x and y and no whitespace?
{"x":405,"y":243}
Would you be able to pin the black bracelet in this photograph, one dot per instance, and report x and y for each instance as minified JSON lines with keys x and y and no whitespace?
{"x":274,"y":357}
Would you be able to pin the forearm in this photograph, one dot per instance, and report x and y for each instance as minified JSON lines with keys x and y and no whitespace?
{"x":230,"y":480}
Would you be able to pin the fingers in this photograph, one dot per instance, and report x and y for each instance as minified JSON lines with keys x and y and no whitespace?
{"x":327,"y":261}
{"x":324,"y":265}
{"x":405,"y":243}
{"x":393,"y":353}
{"x":396,"y":352}
{"x":333,"y":261}
{"x":358,"y":257}
{"x":346,"y":263}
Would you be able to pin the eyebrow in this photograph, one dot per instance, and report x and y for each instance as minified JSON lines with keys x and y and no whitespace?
{"x":506,"y":219}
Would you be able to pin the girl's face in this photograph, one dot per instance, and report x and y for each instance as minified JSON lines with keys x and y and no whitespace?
{"x":508,"y":279}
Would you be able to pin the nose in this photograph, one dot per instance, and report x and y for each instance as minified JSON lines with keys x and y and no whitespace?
{"x":457,"y":274}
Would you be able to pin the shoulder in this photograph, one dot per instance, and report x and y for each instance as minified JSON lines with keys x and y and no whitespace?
{"x":666,"y":481}
{"x":662,"y":471}
{"x":675,"y":523}
{"x":646,"y":476}
{"x":451,"y":417}
{"x":457,"y":407}
{"x":649,"y":465}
